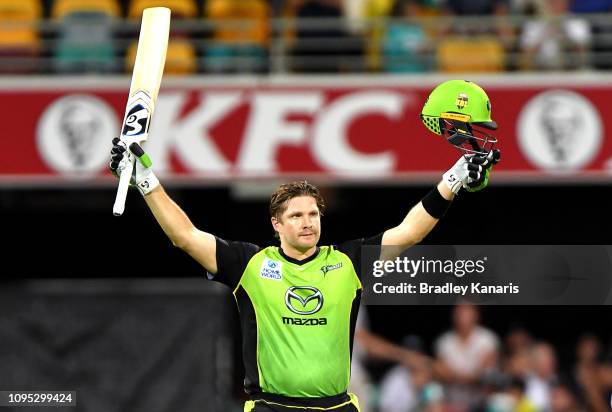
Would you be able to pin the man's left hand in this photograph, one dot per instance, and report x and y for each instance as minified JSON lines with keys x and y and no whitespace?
{"x":486,"y":163}
{"x":471,"y":172}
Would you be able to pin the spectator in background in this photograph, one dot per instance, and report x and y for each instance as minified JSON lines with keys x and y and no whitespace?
{"x":563,"y":400}
{"x":405,"y":43}
{"x":465,"y":354}
{"x":277,"y":8}
{"x":591,"y":6}
{"x":518,"y":340}
{"x":555,"y":41}
{"x":373,"y":24}
{"x":323,"y":43}
{"x":489,"y":8}
{"x":237,"y":48}
{"x":371,"y":345}
{"x":361,"y":382}
{"x":587,"y":373}
{"x":369,"y":17}
{"x":543,"y":376}
{"x":478,"y":40}
{"x":511,"y":399}
{"x":476,"y":7}
{"x":355,"y":13}
{"x":405,"y":389}
{"x":605,"y":374}
{"x":517,"y":389}
{"x":601,"y":30}
{"x":517,"y":357}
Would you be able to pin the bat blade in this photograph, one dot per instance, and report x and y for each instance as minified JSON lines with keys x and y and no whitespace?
{"x":146,"y":80}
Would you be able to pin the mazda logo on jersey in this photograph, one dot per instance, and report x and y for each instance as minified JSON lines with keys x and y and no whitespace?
{"x":304,"y":300}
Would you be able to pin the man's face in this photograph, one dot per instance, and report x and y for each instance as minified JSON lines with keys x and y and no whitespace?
{"x":299,"y":226}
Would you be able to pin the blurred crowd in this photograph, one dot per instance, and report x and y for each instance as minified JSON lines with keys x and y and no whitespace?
{"x":471,"y":368}
{"x":304,"y":36}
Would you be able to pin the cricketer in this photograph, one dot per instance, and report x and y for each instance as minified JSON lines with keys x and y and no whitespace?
{"x":298,"y":301}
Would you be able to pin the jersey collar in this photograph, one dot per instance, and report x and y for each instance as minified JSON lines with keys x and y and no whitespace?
{"x":298,"y":262}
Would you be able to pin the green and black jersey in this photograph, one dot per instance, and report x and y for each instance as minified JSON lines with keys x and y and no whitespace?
{"x":297,"y":317}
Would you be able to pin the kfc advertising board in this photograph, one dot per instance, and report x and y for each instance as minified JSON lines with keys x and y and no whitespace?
{"x":204,"y":130}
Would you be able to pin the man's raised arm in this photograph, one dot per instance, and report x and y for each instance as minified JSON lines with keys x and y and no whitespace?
{"x":470,"y":173}
{"x":174,"y":222}
{"x":420,"y":221}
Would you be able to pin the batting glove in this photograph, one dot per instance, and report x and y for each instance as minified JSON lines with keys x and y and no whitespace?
{"x":471,"y":172}
{"x":143,"y":177}
{"x":486,"y":163}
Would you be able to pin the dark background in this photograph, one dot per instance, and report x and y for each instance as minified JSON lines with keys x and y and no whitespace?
{"x":72,"y":233}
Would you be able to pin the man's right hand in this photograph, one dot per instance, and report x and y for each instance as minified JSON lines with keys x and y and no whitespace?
{"x":143,"y":177}
{"x":172,"y":219}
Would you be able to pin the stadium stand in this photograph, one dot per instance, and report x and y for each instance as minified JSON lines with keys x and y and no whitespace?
{"x":240,"y":38}
{"x":19,"y":41}
{"x":181,"y":9}
{"x":323,"y":40}
{"x":63,"y":8}
{"x":85,"y":38}
{"x":477,"y":55}
{"x":321,"y":36}
{"x":181,"y":57}
{"x":405,"y":42}
{"x":550,"y":41}
{"x":374,"y":10}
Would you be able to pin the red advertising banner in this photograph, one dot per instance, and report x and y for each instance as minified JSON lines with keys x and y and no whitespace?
{"x":203,"y":130}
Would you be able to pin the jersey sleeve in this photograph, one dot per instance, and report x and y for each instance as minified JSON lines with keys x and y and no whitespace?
{"x":354,"y":248}
{"x":232,"y":260}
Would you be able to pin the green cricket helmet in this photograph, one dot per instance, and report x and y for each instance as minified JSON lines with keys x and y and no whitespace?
{"x":460,"y":110}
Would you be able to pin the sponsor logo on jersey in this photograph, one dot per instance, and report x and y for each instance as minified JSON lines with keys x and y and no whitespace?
{"x":328,"y":268}
{"x":304,"y":322}
{"x":271,"y":269}
{"x":304,"y":300}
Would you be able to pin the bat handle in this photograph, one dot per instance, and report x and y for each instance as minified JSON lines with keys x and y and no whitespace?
{"x":122,"y":189}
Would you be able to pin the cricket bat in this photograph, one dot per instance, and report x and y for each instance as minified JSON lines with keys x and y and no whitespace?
{"x":146,"y":79}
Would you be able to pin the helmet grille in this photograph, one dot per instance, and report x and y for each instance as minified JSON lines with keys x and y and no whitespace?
{"x":432,"y":123}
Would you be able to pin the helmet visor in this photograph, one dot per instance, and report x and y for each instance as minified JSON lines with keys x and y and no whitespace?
{"x":492,"y":125}
{"x":468,"y":138}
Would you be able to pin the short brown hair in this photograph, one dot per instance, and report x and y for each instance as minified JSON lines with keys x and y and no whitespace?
{"x":287,"y":191}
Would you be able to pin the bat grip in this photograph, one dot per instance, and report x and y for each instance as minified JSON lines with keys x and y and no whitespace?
{"x":122,"y":189}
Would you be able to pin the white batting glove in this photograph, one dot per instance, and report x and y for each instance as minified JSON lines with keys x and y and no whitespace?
{"x":463,"y":173}
{"x":143,"y":177}
{"x":471,"y":172}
